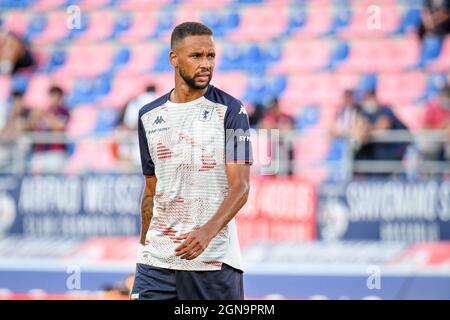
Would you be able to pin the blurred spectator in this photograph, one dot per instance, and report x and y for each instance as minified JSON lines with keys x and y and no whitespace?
{"x":14,"y":53}
{"x":375,"y":117}
{"x":119,"y":291}
{"x":16,"y":119}
{"x":435,"y":18}
{"x":275,"y":118}
{"x":126,"y":150}
{"x":346,"y":116}
{"x":437,"y":117}
{"x":50,"y":157}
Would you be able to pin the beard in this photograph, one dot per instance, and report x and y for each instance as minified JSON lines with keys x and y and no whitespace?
{"x":190,"y":81}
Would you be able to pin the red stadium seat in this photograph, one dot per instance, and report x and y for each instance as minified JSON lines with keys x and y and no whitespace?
{"x":47,"y":5}
{"x":87,"y":61}
{"x":257,"y":23}
{"x":233,"y":82}
{"x":100,"y":26}
{"x":142,"y":59}
{"x":300,"y":56}
{"x":401,"y":89}
{"x":16,"y":21}
{"x":55,"y":30}
{"x":92,"y":154}
{"x":124,"y":89}
{"x":442,"y":63}
{"x":83,"y":120}
{"x":318,"y":20}
{"x":36,"y":95}
{"x":92,"y":4}
{"x":143,"y":25}
{"x":412,"y":116}
{"x":138,"y":5}
{"x":207,"y":4}
{"x":382,"y":55}
{"x":312,"y":90}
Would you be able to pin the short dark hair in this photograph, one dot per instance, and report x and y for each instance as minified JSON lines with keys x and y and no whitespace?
{"x":185,"y":29}
{"x":56,"y":90}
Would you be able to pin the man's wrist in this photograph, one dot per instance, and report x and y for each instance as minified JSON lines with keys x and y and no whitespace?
{"x":212,"y":228}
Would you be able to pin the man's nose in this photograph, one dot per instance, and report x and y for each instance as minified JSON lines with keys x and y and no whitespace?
{"x":205,"y":63}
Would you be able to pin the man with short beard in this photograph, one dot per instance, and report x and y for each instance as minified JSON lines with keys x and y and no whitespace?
{"x":196,"y":156}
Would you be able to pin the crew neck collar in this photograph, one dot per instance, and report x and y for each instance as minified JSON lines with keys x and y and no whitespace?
{"x":189,"y":103}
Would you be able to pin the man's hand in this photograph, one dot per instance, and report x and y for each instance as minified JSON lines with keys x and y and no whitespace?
{"x":195,"y":242}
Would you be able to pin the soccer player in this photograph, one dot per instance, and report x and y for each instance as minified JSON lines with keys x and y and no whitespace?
{"x":196,"y":156}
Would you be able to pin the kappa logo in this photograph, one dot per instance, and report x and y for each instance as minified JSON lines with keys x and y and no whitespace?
{"x":242,"y":111}
{"x":159,"y":120}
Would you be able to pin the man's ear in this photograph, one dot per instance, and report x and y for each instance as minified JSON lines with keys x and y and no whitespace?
{"x":173,"y":58}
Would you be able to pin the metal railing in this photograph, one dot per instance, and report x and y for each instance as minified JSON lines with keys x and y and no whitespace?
{"x":19,"y":150}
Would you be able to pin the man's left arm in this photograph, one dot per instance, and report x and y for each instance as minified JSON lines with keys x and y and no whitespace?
{"x":197,"y":241}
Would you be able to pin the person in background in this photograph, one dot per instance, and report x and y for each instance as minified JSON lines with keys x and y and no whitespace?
{"x":14,"y":53}
{"x":437,"y":117}
{"x":125,"y":150}
{"x":372,"y":118}
{"x":50,"y":157}
{"x":275,"y":118}
{"x":346,"y":116}
{"x":16,"y":119}
{"x":435,"y":19}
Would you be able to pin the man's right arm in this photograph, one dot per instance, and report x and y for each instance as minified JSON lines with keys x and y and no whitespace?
{"x":147,"y":206}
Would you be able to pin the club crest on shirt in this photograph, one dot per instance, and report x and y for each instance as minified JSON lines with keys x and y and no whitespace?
{"x":205,"y":113}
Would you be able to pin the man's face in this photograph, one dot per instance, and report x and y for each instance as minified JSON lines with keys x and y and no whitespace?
{"x":194,"y":60}
{"x":55,"y":99}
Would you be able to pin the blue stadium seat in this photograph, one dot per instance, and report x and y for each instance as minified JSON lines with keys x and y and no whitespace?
{"x":57,"y":59}
{"x":37,"y":25}
{"x":308,"y":117}
{"x":431,"y":48}
{"x":297,"y":19}
{"x":435,"y":82}
{"x":410,"y":21}
{"x":19,"y":83}
{"x":339,"y":54}
{"x":121,"y":58}
{"x":341,"y":20}
{"x":122,"y":24}
{"x":162,"y":62}
{"x":107,"y":120}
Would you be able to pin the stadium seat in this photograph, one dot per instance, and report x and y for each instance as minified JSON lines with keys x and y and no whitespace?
{"x":410,"y":21}
{"x":92,"y":4}
{"x":411,"y":115}
{"x":82,"y":121}
{"x":401,"y":89}
{"x":318,"y":21}
{"x":143,"y":25}
{"x":257,"y":24}
{"x":431,"y":49}
{"x":16,"y":21}
{"x":106,"y":120}
{"x":36,"y":25}
{"x":54,"y":31}
{"x":98,"y":56}
{"x":92,"y":155}
{"x":100,"y":27}
{"x":36,"y":95}
{"x":301,"y":56}
{"x":142,"y":59}
{"x":234,"y":82}
{"x":47,"y":5}
{"x":442,"y":63}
